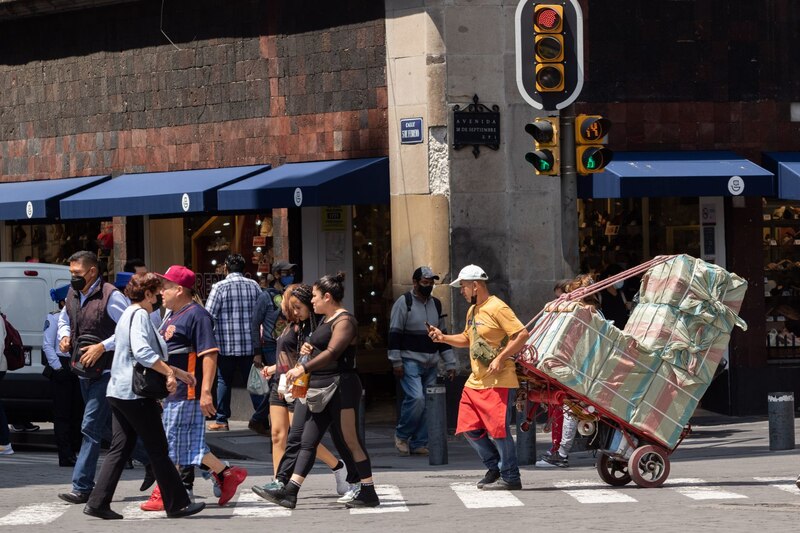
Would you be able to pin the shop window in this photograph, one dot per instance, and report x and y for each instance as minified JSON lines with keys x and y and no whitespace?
{"x":628,"y":231}
{"x":781,"y":236}
{"x":209,"y":240}
{"x":372,"y":286}
{"x":55,"y":243}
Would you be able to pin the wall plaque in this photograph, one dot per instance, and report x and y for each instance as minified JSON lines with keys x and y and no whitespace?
{"x":476,"y":125}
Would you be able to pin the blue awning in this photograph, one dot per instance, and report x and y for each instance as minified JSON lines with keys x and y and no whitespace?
{"x":342,"y":182}
{"x":39,"y":199}
{"x":156,"y":193}
{"x":660,"y":174}
{"x":786,"y":166}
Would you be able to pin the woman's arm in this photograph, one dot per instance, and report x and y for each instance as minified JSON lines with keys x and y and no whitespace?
{"x":343,"y":333}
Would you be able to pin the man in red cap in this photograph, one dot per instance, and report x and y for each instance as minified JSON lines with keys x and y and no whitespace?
{"x":189,"y":332}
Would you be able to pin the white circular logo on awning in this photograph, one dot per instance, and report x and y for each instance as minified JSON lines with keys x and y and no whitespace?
{"x":185,"y":202}
{"x":29,"y":209}
{"x":298,"y":197}
{"x":736,"y":185}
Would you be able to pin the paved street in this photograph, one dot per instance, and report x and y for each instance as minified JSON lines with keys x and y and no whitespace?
{"x":722,"y":478}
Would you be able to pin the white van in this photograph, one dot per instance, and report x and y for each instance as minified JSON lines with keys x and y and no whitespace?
{"x":25,"y":300}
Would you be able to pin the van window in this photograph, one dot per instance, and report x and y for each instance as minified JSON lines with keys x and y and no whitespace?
{"x":23,"y":301}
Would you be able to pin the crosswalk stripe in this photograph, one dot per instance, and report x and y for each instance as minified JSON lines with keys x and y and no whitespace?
{"x":40,"y":513}
{"x":782,"y":483}
{"x":391,"y":501}
{"x":474,"y":498}
{"x":252,"y":505}
{"x":698,"y":489}
{"x":133,"y":512}
{"x":595,"y":494}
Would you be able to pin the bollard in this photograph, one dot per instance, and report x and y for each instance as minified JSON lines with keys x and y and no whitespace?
{"x":362,"y":424}
{"x":781,"y":420}
{"x":436,"y":413}
{"x":526,"y":440}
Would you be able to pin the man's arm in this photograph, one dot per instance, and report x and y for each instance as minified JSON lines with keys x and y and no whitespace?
{"x":397,"y":327}
{"x":259,"y":312}
{"x":515,"y":344}
{"x":209,"y":376}
{"x":64,"y":331}
{"x":49,"y":343}
{"x":445,"y":352}
{"x":213,"y":303}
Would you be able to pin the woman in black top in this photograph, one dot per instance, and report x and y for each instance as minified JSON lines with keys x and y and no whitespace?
{"x":331,"y":348}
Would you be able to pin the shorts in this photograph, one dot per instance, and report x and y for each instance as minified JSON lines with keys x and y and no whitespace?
{"x":350,"y":390}
{"x":185,"y":427}
{"x":278,"y":401}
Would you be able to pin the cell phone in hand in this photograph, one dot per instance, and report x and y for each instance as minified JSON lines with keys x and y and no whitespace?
{"x":428,"y":326}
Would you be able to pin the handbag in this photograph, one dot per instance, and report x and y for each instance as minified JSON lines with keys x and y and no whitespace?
{"x":147,"y":382}
{"x":317,"y":398}
{"x":480,"y":349}
{"x":256,"y":384}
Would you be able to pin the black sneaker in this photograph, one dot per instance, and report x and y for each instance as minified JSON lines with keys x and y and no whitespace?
{"x":556,"y":460}
{"x":502,"y":484}
{"x":490,"y":477}
{"x":366,"y":497}
{"x":797,"y":482}
{"x":25,"y":427}
{"x":277,"y":495}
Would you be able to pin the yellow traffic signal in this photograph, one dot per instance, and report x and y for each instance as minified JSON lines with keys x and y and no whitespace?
{"x":545,"y":157}
{"x":548,"y":47}
{"x":591,"y":133}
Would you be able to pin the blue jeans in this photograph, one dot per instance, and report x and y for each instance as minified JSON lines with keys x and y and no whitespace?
{"x":498,"y":454}
{"x":227,"y":366}
{"x":412,"y":424}
{"x":96,"y":426}
{"x":5,"y":436}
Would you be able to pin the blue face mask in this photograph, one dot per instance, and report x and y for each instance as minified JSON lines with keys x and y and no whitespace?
{"x":287,"y":280}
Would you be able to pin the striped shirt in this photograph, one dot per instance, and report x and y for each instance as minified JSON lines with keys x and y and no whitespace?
{"x":230,"y":304}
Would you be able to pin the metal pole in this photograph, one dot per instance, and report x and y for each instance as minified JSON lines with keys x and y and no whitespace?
{"x":569,"y":192}
{"x":780,"y":409}
{"x":526,"y":440}
{"x":436,"y":413}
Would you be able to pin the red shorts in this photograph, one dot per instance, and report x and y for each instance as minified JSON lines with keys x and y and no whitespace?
{"x":483,"y":409}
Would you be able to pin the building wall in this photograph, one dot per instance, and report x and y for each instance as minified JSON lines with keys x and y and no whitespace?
{"x":104,"y":91}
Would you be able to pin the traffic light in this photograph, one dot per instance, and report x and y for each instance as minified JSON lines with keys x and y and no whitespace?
{"x":545,"y":157}
{"x":549,"y":52}
{"x":591,"y":132}
{"x":548,"y":47}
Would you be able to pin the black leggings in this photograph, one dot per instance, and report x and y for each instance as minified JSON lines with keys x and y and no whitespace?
{"x":340,"y":415}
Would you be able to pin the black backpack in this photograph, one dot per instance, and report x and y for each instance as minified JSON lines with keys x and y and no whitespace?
{"x":13,"y":350}
{"x":436,"y":301}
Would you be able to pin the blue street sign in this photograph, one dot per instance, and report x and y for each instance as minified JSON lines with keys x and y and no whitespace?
{"x":410,"y":131}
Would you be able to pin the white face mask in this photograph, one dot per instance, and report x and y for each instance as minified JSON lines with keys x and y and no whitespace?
{"x":618,"y":285}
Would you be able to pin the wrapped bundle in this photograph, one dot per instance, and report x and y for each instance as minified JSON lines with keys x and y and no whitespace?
{"x":624,"y":378}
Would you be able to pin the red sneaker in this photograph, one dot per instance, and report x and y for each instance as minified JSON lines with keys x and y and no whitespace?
{"x":155,"y":503}
{"x":230,"y":480}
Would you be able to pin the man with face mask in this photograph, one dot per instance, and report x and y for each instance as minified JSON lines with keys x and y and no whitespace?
{"x":92,"y":309}
{"x":415,"y":358}
{"x":493,"y":335}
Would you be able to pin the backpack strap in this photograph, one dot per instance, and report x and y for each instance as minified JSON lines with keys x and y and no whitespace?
{"x":436,"y":302}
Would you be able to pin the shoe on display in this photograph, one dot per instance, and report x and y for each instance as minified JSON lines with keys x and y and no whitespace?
{"x":490,"y":477}
{"x":26,"y":427}
{"x":229,"y":480}
{"x":502,"y":484}
{"x":366,"y":497}
{"x":351,"y":493}
{"x":402,"y":446}
{"x":155,"y":503}
{"x":340,"y":475}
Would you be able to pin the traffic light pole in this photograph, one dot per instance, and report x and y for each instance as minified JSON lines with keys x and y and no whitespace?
{"x":569,"y":193}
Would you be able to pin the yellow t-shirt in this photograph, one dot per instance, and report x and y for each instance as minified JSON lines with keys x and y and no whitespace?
{"x":494,"y":321}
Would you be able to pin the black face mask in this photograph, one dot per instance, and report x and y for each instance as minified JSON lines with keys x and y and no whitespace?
{"x":159,"y":302}
{"x":425,"y":290}
{"x":77,"y":283}
{"x":474,"y":299}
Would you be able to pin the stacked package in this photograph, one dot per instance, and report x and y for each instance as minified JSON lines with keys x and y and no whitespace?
{"x":654,"y":372}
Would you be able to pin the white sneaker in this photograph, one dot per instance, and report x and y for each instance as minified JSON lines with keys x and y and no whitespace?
{"x":541,"y":463}
{"x":342,"y":486}
{"x":6,"y":449}
{"x":351,"y":494}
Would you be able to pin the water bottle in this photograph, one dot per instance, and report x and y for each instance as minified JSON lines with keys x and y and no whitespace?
{"x":300,"y":385}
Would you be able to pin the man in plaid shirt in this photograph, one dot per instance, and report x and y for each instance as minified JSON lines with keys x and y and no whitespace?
{"x":231,"y":303}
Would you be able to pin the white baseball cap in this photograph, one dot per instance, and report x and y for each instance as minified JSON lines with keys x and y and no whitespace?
{"x":469,"y":273}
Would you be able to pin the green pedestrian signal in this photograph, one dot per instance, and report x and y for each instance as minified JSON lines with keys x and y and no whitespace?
{"x":591,"y":134}
{"x":544,"y":157}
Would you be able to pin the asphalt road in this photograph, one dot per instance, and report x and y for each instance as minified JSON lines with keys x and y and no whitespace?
{"x":723,"y":477}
